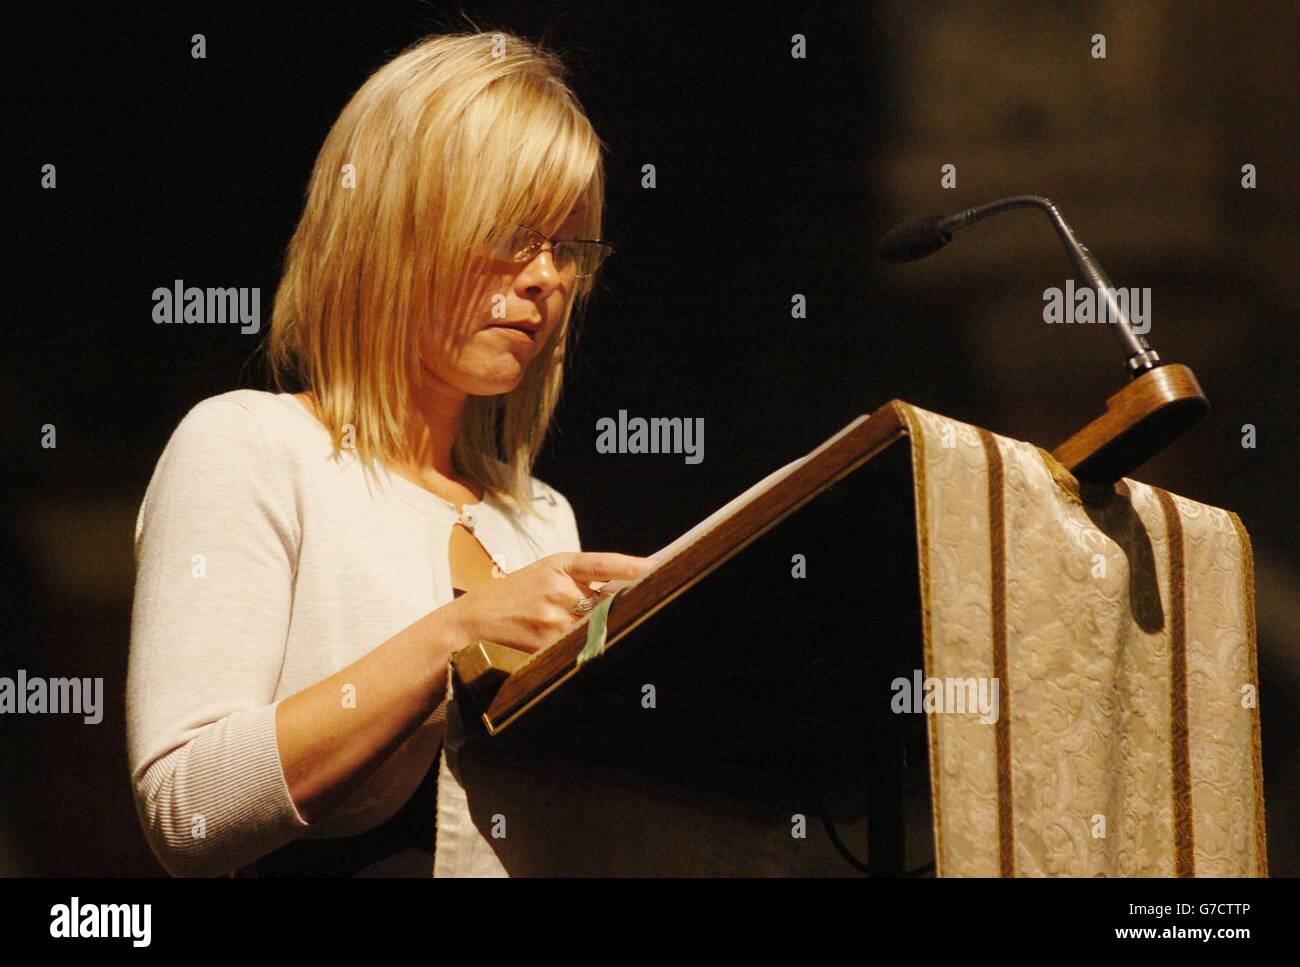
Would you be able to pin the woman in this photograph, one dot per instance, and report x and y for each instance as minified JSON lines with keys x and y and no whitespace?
{"x":307,"y":562}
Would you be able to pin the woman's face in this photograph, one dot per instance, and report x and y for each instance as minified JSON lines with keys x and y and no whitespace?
{"x":529,"y":301}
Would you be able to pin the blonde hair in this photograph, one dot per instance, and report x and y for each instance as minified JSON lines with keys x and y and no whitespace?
{"x":457,"y":135}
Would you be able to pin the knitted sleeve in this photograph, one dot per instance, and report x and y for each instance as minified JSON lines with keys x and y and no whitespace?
{"x":215,"y":549}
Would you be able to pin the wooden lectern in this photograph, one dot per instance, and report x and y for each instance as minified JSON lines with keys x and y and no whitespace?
{"x":760,"y":688}
{"x":726,"y":674}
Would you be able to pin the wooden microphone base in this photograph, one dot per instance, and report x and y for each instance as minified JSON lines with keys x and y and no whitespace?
{"x":1140,"y":420}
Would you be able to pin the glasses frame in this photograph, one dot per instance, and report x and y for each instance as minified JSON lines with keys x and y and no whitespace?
{"x":537,"y":248}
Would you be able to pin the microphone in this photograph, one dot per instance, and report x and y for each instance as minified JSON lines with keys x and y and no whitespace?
{"x":914,"y":239}
{"x":919,"y":237}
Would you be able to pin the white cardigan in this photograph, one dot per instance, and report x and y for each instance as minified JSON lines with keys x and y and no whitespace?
{"x":262,"y":567}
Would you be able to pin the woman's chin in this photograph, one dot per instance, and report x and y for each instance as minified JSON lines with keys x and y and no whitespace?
{"x":504,"y":380}
{"x":483,"y":376}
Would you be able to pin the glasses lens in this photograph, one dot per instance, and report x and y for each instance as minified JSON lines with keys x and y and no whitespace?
{"x":522,"y":244}
{"x":580,"y":258}
{"x":514,"y":245}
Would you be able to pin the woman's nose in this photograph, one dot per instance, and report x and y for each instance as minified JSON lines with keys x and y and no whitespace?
{"x":539,"y":275}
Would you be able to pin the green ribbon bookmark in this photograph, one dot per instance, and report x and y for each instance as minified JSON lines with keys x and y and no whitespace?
{"x":596,"y":622}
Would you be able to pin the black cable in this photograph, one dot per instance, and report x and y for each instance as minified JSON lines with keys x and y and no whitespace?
{"x":834,"y":837}
{"x":844,"y":850}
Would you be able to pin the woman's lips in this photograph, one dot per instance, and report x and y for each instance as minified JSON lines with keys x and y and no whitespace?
{"x":517,"y":332}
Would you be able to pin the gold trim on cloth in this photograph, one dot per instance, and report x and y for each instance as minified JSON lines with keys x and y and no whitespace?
{"x":998,"y":623}
{"x":910,"y":420}
{"x":1256,"y":750}
{"x":1179,"y":755}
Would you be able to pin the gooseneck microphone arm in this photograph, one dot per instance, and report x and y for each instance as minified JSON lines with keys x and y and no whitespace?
{"x":923,"y":236}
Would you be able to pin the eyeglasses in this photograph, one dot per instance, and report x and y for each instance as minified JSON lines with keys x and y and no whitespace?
{"x":578,"y":257}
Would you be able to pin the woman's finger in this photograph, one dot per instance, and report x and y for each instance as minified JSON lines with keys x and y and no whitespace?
{"x":588,"y":567}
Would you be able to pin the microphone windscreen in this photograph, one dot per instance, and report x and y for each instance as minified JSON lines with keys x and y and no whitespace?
{"x":914,"y":239}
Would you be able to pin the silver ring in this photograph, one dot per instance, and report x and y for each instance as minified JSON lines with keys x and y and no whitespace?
{"x":585,"y":606}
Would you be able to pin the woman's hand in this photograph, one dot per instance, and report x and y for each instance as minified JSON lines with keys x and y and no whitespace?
{"x":532,"y":608}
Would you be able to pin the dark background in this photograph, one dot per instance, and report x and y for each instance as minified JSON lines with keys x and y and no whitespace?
{"x":775,"y":176}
